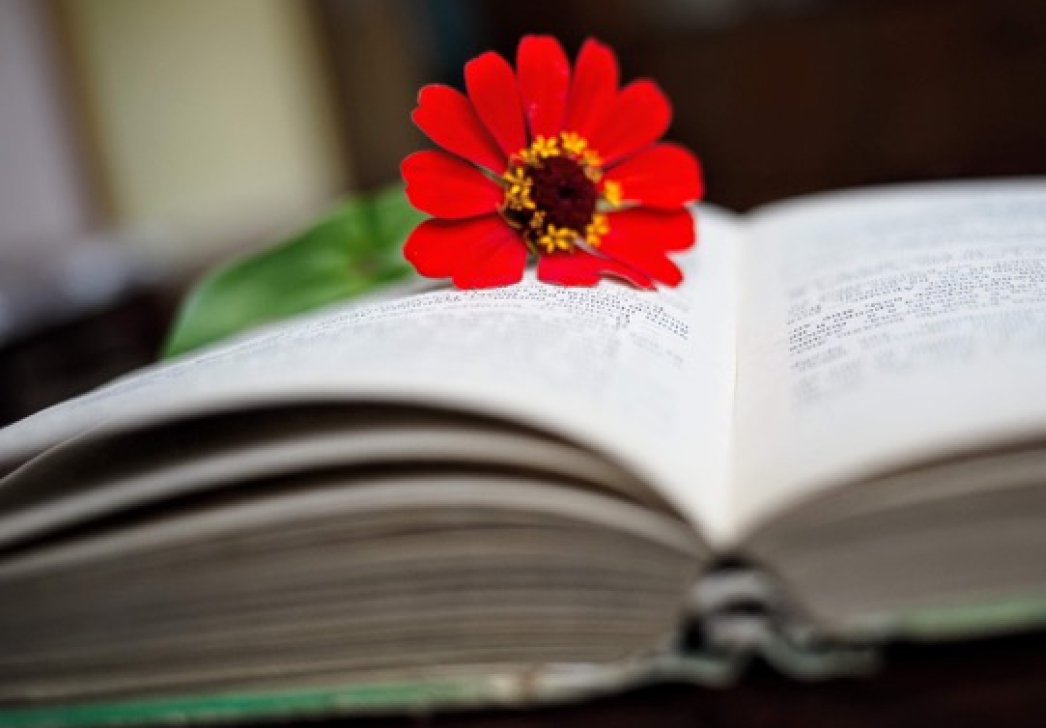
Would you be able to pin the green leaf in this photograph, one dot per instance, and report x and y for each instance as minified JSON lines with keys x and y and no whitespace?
{"x":356,"y":248}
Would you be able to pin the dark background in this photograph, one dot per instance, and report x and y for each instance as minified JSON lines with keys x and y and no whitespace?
{"x":778,"y":98}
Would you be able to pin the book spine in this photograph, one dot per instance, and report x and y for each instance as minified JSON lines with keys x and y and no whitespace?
{"x":740,"y":613}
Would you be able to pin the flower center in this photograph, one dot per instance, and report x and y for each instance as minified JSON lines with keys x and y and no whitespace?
{"x":553,"y":194}
{"x":563,"y":191}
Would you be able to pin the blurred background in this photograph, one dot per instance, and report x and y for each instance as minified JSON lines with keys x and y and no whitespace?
{"x":140,"y":142}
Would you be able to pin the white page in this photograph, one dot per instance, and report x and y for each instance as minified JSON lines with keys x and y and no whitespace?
{"x":644,"y":376}
{"x":881,"y":328}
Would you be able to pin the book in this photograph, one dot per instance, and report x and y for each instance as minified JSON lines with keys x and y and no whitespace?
{"x":831,"y":435}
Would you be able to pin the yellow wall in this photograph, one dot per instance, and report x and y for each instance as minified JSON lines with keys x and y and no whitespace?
{"x":211,"y":117}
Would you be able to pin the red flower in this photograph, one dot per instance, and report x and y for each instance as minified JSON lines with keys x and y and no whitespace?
{"x":565,"y":166}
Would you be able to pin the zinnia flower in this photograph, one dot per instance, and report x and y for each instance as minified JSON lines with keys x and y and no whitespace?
{"x":564,"y":166}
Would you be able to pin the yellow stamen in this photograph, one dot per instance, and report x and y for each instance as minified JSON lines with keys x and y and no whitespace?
{"x":557,"y":238}
{"x":537,"y":222}
{"x":573,"y":144}
{"x":540,"y":148}
{"x":517,"y":189}
{"x":596,"y":229}
{"x":591,"y":159}
{"x":546,"y":147}
{"x":613,"y":193}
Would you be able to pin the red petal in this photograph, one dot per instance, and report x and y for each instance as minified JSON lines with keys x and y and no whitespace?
{"x":445,"y":186}
{"x":580,"y":268}
{"x":638,"y":117}
{"x":477,"y":253}
{"x":544,"y":74}
{"x":642,"y":237}
{"x":665,"y":175}
{"x":592,"y":89}
{"x":447,"y":118}
{"x":494,"y":94}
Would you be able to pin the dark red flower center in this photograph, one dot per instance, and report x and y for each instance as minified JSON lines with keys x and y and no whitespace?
{"x":564,"y":193}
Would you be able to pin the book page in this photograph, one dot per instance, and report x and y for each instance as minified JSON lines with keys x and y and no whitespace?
{"x":882,"y":328}
{"x":645,"y":377}
{"x":83,"y":481}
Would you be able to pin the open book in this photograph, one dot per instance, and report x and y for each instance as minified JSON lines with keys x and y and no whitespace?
{"x":839,"y":416}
